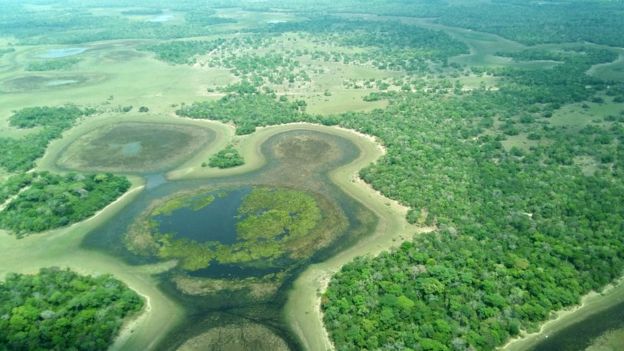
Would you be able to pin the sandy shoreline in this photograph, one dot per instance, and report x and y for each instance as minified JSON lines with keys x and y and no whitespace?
{"x":303,"y":307}
{"x":563,"y":318}
{"x":128,"y":328}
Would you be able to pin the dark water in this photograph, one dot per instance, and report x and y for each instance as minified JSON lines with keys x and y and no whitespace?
{"x":579,"y":336}
{"x":302,"y":165}
{"x":215,"y":222}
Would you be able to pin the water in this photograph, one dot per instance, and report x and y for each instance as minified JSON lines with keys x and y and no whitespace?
{"x":215,"y":222}
{"x":579,"y":336}
{"x":216,"y":270}
{"x":161,"y":18}
{"x":303,"y":166}
{"x":154,"y":180}
{"x":59,"y":82}
{"x":131,"y":149}
{"x":64,"y":52}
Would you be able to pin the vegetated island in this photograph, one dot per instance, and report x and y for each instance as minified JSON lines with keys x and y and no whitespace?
{"x":229,"y":157}
{"x":61,"y":310}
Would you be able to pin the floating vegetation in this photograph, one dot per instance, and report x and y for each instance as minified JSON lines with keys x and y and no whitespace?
{"x":264,"y":227}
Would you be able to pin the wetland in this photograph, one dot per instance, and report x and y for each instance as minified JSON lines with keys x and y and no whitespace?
{"x":238,"y":242}
{"x":457,"y":184}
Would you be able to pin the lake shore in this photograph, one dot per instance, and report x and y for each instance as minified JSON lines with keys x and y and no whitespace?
{"x":62,"y":248}
{"x":591,"y":303}
{"x":303,"y":307}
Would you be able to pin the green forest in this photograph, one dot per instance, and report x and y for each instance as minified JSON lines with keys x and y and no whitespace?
{"x":58,"y":309}
{"x":226,"y":158}
{"x":48,"y":123}
{"x":44,"y":201}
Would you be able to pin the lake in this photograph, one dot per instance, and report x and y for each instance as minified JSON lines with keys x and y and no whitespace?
{"x":215,"y":222}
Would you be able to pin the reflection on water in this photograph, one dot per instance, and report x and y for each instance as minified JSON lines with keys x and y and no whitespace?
{"x":161,"y":18}
{"x":59,"y":82}
{"x":131,"y":149}
{"x":154,"y":180}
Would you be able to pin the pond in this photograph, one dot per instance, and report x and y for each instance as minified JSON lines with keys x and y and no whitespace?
{"x":63,"y":52}
{"x":134,"y":147}
{"x":252,"y":283}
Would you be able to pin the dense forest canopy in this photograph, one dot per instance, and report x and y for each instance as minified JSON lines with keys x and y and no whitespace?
{"x":61,"y":310}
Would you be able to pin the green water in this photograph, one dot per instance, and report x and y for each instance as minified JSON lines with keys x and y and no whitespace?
{"x":297,"y":159}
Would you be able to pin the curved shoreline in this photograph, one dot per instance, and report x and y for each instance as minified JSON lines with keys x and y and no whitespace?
{"x":591,"y":303}
{"x":62,"y":248}
{"x":302,"y":310}
{"x":57,"y":147}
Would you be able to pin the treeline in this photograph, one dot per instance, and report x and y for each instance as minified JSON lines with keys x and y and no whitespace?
{"x":61,"y":310}
{"x":246,"y":111}
{"x":5,"y":51}
{"x":20,"y":154}
{"x":533,"y":22}
{"x":44,"y":201}
{"x":392,"y":45}
{"x":566,"y":82}
{"x":183,"y":52}
{"x":523,"y":232}
{"x":270,"y":68}
{"x":82,"y":26}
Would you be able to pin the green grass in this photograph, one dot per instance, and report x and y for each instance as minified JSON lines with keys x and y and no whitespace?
{"x":610,"y":341}
{"x":577,"y":116}
{"x":130,"y":82}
